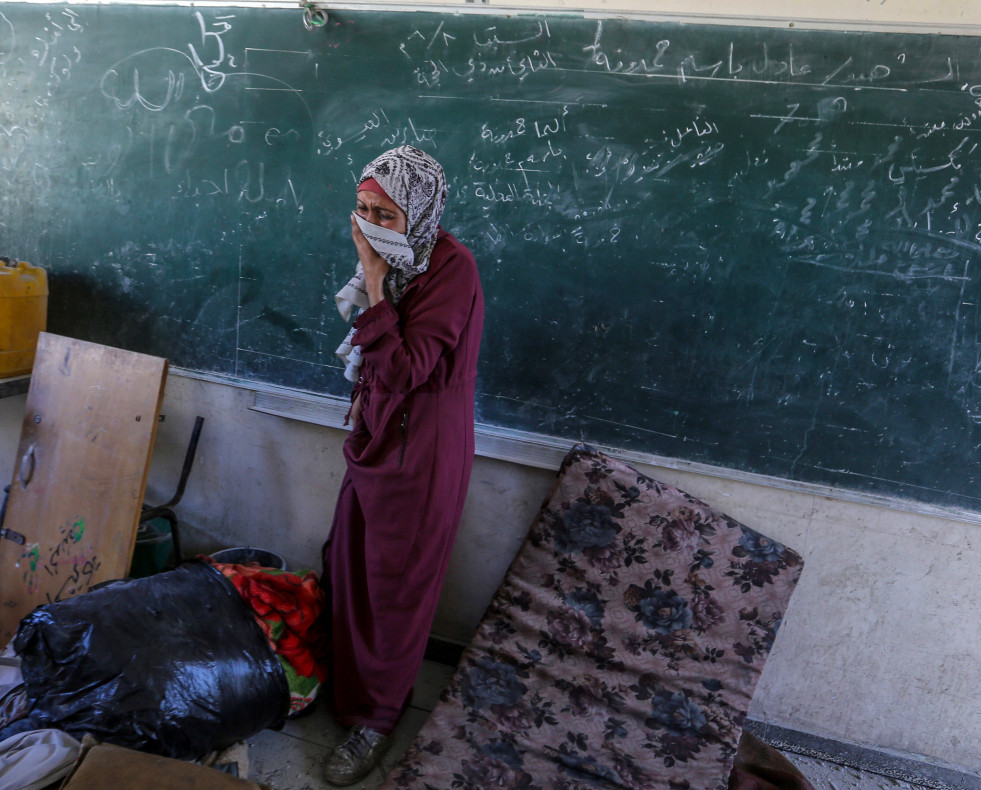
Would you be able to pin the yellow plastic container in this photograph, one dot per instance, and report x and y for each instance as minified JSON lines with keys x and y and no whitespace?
{"x":23,"y":315}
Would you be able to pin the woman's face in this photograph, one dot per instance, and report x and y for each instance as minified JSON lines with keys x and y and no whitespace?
{"x":379,"y":210}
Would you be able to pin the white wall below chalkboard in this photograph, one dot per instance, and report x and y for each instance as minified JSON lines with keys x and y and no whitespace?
{"x":546,"y":452}
{"x":874,"y":648}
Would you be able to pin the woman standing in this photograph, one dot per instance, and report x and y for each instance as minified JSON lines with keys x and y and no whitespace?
{"x":413,"y":355}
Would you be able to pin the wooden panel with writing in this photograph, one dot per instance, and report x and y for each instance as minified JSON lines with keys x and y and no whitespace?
{"x":89,"y":426}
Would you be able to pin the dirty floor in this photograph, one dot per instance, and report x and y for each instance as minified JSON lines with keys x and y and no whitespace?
{"x":291,"y":759}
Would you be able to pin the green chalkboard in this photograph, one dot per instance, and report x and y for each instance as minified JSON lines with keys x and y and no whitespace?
{"x":750,"y":247}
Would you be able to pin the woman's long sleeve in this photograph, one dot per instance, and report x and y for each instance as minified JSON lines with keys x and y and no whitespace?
{"x":403,"y":357}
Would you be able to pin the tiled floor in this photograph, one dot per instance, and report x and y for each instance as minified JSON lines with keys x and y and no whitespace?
{"x":292,"y":758}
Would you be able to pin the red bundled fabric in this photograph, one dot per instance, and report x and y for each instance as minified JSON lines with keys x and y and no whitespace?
{"x":287,"y":607}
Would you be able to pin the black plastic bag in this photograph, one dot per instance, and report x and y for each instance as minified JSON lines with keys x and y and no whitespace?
{"x":172,"y":664}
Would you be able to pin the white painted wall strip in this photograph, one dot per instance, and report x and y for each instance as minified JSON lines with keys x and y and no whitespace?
{"x":546,"y":452}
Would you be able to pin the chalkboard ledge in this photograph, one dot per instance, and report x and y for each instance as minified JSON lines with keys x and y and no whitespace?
{"x":546,"y":452}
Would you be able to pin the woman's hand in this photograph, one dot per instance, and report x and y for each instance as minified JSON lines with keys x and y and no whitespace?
{"x":375,"y":267}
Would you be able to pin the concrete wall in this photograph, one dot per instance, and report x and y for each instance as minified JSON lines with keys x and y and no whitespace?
{"x":878,"y":647}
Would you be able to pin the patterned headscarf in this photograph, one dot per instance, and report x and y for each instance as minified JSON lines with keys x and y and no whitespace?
{"x":415,"y":182}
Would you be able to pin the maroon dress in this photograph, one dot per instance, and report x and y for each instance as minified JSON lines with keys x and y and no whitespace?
{"x":409,"y":458}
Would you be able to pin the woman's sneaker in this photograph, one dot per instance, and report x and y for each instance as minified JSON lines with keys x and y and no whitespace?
{"x":356,"y":755}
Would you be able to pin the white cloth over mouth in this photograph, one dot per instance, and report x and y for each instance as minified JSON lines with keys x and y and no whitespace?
{"x":394,"y":248}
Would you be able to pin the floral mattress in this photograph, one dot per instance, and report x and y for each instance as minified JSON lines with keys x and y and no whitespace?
{"x":621,"y":650}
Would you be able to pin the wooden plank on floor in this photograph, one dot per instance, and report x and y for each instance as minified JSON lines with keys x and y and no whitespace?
{"x":90,"y":421}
